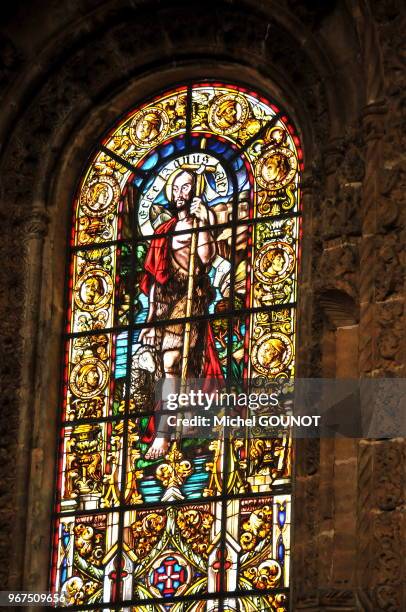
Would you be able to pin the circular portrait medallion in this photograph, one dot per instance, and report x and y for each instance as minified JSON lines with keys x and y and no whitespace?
{"x":93,"y":289}
{"x":149,"y":127}
{"x":274,"y":262}
{"x":276,"y":168}
{"x":100,"y":197}
{"x":272,"y":353}
{"x":88,"y":378}
{"x":228,"y":113}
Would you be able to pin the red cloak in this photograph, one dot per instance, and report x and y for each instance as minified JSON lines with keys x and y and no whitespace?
{"x":156,"y":270}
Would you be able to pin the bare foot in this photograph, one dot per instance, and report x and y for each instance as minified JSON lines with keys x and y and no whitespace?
{"x":158,"y":449}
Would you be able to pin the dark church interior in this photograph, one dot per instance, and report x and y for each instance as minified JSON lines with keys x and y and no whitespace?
{"x":68,"y":71}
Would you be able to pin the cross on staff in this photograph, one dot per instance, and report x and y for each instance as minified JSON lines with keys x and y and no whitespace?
{"x":199,"y":169}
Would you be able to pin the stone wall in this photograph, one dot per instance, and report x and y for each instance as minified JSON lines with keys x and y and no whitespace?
{"x":67,"y":71}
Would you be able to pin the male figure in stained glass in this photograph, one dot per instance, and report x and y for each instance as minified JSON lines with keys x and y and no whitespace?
{"x":148,"y":127}
{"x":274,"y":262}
{"x":166,"y":283}
{"x":93,"y":290}
{"x":276,"y":167}
{"x":227,"y":114}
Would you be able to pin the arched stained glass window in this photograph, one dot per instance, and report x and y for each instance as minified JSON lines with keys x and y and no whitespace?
{"x":183,"y":265}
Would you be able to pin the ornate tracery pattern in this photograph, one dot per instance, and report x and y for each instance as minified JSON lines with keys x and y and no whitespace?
{"x":156,"y":292}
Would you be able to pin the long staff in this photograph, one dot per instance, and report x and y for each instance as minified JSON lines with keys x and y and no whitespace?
{"x":191,"y":269}
{"x":189,"y":295}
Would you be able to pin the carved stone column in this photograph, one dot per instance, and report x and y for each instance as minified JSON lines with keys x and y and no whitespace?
{"x":306,"y":343}
{"x":373,"y":121}
{"x":381,"y":483}
{"x":33,"y":233}
{"x":336,"y":285}
{"x":381,"y":479}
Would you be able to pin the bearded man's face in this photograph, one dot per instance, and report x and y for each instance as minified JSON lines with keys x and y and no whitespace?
{"x":182,"y":192}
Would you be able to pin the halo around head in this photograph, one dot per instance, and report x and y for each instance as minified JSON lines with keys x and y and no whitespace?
{"x":174,"y":176}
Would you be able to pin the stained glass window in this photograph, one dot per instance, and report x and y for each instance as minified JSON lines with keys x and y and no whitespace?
{"x":183,"y":264}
